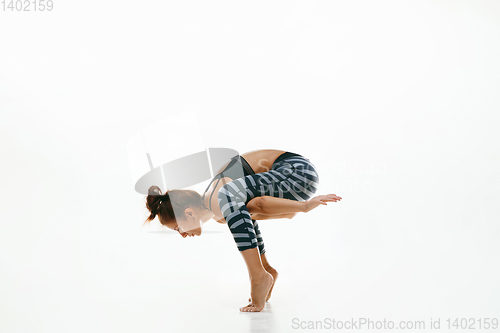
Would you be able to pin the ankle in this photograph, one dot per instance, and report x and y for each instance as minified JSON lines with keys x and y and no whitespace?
{"x":258,"y":277}
{"x":268,"y":268}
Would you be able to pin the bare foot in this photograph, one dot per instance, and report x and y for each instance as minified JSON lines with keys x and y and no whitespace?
{"x":274,"y":273}
{"x":260,"y":289}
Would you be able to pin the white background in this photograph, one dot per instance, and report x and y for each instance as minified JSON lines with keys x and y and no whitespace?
{"x":395,"y":102}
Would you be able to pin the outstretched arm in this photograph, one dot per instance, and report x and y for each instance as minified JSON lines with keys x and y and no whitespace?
{"x":273,"y":217}
{"x":268,"y":205}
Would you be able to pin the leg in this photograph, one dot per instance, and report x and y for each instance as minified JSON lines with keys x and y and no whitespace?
{"x":263,"y":258}
{"x":265,"y":264}
{"x":260,"y":240}
{"x":261,"y":281}
{"x":246,"y":233}
{"x":292,"y":178}
{"x":271,"y":271}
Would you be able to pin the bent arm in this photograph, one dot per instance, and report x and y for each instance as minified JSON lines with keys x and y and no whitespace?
{"x":268,"y":205}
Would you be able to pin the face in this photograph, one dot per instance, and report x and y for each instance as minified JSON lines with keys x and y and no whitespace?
{"x":189,"y":226}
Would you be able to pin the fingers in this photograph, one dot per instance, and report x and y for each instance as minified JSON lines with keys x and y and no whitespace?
{"x":329,"y":198}
{"x":334,"y":197}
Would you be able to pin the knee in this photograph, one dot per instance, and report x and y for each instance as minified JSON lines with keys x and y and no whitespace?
{"x":254,"y":206}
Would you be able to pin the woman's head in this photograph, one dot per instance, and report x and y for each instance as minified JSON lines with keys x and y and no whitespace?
{"x":179,"y":210}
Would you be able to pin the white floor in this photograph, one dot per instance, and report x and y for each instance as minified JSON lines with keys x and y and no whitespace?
{"x":88,"y":276}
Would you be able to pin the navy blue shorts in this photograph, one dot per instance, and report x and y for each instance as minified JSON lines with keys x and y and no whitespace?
{"x":293,"y":177}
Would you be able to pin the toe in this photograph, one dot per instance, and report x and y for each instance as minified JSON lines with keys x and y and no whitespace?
{"x":248,"y":308}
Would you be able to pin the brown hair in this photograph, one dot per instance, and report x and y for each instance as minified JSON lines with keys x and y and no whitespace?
{"x":164,"y":205}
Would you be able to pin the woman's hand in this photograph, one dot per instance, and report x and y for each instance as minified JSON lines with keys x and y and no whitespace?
{"x":320,"y":200}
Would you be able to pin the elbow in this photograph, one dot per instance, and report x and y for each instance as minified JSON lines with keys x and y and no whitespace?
{"x":255,"y":206}
{"x":261,"y":204}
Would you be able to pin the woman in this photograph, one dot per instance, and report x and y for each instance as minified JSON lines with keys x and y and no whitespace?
{"x":258,"y":185}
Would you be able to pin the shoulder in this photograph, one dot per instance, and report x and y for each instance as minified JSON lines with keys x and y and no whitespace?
{"x":221,"y":182}
{"x":213,"y":197}
{"x":217,"y":186}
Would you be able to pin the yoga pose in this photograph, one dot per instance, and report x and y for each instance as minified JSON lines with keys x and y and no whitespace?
{"x":258,"y":185}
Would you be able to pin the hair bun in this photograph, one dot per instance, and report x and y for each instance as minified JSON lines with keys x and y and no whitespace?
{"x":154,"y":190}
